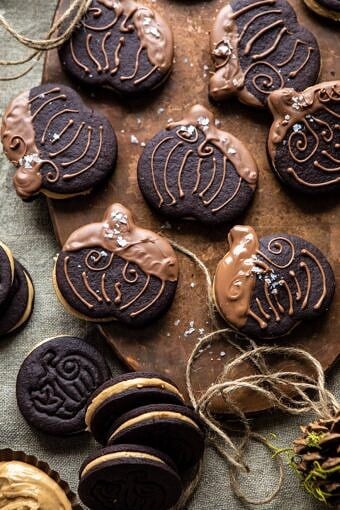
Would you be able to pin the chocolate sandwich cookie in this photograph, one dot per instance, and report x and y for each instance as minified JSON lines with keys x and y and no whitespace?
{"x":173,"y":429}
{"x":17,"y":308}
{"x":124,"y":393}
{"x":258,"y":46}
{"x":194,"y":170}
{"x":7,"y":270}
{"x":120,"y":44}
{"x":60,"y":147}
{"x":326,"y":8}
{"x":265,"y":287}
{"x":116,"y":270}
{"x":129,"y":477}
{"x":303,"y":142}
{"x":55,"y":382}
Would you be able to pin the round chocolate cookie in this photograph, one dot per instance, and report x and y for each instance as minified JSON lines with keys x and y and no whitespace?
{"x":120,"y":44}
{"x":60,"y":147}
{"x":116,"y":270}
{"x":129,"y":477}
{"x":303,"y":142}
{"x":7,"y":270}
{"x":55,"y":382}
{"x":173,"y":429}
{"x":193,"y":170}
{"x":257,"y":47}
{"x":327,"y":8}
{"x":265,"y":287}
{"x":124,"y":393}
{"x":17,"y":308}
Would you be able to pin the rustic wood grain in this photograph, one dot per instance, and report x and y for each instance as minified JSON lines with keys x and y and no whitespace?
{"x":164,"y":346}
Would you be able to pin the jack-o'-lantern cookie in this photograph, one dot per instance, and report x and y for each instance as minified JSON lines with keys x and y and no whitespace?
{"x":258,"y":46}
{"x":120,"y":44}
{"x":325,"y":8}
{"x":304,"y":140}
{"x":60,"y":147}
{"x":116,"y":270}
{"x":265,"y":287}
{"x":194,"y":170}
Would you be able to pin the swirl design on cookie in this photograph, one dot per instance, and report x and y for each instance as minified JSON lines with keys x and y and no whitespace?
{"x":25,"y":486}
{"x":116,"y":269}
{"x":276,"y":280}
{"x":303,"y":142}
{"x":247,"y":42}
{"x":56,"y":143}
{"x":98,"y":49}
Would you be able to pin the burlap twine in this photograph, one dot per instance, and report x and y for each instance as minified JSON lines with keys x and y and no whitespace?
{"x":308,"y":393}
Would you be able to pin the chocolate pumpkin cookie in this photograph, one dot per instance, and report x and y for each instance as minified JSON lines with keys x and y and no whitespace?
{"x":303,"y":142}
{"x":116,"y":270}
{"x":326,"y":8}
{"x":194,"y":170}
{"x":258,"y":46}
{"x":60,"y":147}
{"x":265,"y":287}
{"x":120,"y":44}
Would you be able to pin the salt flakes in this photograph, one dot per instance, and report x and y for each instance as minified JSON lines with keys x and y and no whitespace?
{"x":134,"y":139}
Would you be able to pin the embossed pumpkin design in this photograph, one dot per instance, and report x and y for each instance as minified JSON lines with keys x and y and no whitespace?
{"x":116,"y":270}
{"x":194,"y":170}
{"x":266,"y":287}
{"x":60,"y":147}
{"x":258,"y":46}
{"x":304,"y":140}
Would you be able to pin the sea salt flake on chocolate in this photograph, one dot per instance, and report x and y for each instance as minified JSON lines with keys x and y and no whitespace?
{"x":232,"y":151}
{"x":121,"y":241}
{"x":297,"y":127}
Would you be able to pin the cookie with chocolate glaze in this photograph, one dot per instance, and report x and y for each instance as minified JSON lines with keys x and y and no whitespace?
{"x":114,"y":269}
{"x":7,"y":270}
{"x":129,"y":477}
{"x":120,"y":44}
{"x":266,"y":287}
{"x":60,"y":147}
{"x":327,"y":8}
{"x":173,"y":429}
{"x":258,"y":46}
{"x":17,"y":308}
{"x":124,"y":393}
{"x":303,"y":142}
{"x":193,"y":170}
{"x":55,"y":382}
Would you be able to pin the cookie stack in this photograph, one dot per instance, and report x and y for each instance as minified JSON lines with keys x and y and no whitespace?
{"x":16,"y":292}
{"x":152,"y":441}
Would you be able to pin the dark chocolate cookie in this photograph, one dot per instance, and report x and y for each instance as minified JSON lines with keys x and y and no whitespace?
{"x":17,"y":308}
{"x":116,"y":270}
{"x":265,"y":287}
{"x":124,"y":393}
{"x":55,"y":382}
{"x":175,"y":430}
{"x":258,"y":46}
{"x":7,"y":270}
{"x":120,"y":44}
{"x":326,"y":8}
{"x":303,"y":143}
{"x":60,"y":147}
{"x":194,"y":170}
{"x":129,"y":477}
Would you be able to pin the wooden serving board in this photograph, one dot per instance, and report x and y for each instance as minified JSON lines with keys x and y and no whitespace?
{"x":166,"y":345}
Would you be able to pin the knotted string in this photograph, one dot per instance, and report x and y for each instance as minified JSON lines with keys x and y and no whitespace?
{"x":292,"y":392}
{"x":68,"y":21}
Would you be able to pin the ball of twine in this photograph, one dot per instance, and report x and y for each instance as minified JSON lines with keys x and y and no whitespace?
{"x":64,"y":25}
{"x":290,"y":391}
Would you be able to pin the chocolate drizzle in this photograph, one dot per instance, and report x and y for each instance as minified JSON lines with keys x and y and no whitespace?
{"x":244,"y":44}
{"x":255,"y":281}
{"x":41,"y":134}
{"x":154,"y":35}
{"x":119,"y":237}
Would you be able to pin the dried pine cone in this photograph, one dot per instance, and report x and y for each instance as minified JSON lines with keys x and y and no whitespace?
{"x":317,"y":459}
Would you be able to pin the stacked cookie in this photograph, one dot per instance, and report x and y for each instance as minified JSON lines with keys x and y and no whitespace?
{"x":16,"y":292}
{"x":152,"y":442}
